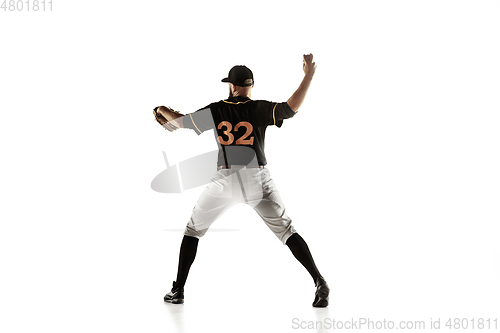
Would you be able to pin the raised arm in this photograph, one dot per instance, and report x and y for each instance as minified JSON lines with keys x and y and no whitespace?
{"x":296,"y":100}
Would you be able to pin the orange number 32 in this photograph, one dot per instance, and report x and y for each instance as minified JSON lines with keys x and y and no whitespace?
{"x":230,"y":137}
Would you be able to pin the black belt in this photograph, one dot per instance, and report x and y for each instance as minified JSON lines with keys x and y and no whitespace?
{"x":247,"y":166}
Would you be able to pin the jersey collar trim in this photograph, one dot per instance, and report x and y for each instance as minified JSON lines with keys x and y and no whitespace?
{"x":234,"y":100}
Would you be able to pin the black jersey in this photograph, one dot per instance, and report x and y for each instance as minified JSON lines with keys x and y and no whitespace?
{"x":240,"y":127}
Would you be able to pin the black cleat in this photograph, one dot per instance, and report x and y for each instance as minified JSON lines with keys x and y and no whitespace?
{"x":322,"y":292}
{"x":175,"y":296}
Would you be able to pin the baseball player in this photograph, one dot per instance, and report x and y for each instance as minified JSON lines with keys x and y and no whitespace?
{"x":239,"y":125}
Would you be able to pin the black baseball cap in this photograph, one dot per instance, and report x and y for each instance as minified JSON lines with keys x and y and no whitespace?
{"x":240,"y":76}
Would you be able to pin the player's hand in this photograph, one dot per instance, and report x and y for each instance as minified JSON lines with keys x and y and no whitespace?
{"x":308,"y":65}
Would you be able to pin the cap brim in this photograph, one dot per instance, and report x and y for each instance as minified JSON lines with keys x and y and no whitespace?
{"x":225,"y":80}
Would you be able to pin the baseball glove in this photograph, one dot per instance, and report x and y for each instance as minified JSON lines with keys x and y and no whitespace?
{"x":165,"y":117}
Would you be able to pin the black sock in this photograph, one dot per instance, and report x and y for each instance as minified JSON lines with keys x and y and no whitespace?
{"x":301,"y":251}
{"x":187,"y":254}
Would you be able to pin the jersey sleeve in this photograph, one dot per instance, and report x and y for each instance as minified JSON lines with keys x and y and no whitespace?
{"x":199,"y":121}
{"x":276,"y":112}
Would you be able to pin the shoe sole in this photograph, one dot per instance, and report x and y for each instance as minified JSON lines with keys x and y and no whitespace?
{"x":174,"y":301}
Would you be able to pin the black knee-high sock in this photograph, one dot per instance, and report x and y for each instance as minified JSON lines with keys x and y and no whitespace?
{"x":301,"y":251}
{"x":187,"y":254}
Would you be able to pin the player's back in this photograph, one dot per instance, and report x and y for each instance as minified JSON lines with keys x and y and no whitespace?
{"x":239,"y":125}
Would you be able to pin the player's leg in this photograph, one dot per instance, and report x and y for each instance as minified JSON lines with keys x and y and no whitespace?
{"x":213,"y":202}
{"x":187,"y":253}
{"x":272,"y":210}
{"x":301,"y":252}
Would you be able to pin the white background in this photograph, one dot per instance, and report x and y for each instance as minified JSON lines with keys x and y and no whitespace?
{"x":389,"y":170}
